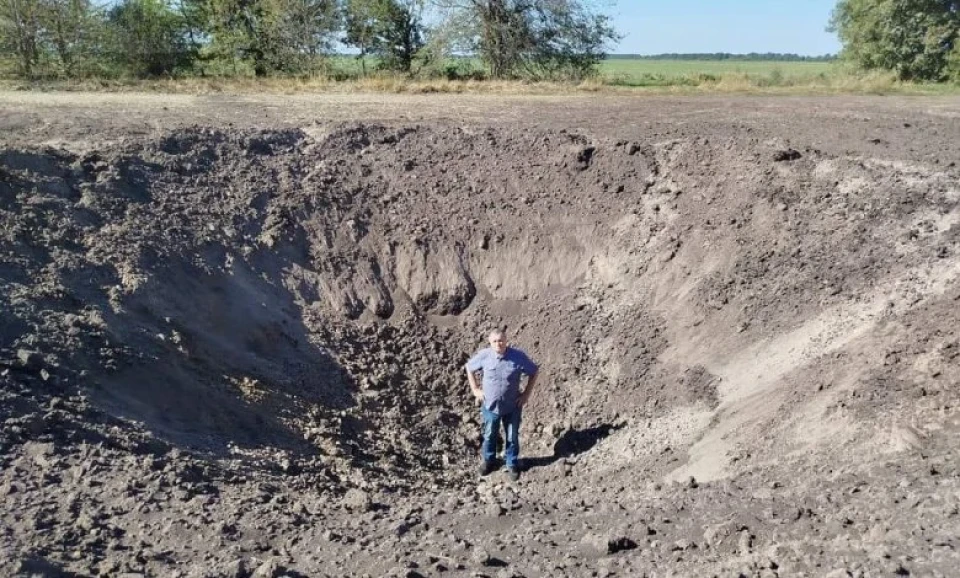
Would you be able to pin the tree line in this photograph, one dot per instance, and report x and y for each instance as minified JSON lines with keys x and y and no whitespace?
{"x":540,"y":39}
{"x":534,"y":39}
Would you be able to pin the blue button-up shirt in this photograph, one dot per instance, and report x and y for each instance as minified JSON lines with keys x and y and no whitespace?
{"x":501,"y":377}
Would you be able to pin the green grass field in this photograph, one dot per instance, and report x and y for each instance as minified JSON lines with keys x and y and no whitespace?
{"x":636,"y":72}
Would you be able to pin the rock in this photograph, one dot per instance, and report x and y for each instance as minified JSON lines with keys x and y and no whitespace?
{"x":905,"y":438}
{"x":745,"y":543}
{"x":236,"y":569}
{"x":289,"y":467}
{"x":713,"y":536}
{"x":357,"y":500}
{"x":86,"y":522}
{"x":269,"y":569}
{"x":481,"y":557}
{"x":28,"y":359}
{"x":8,"y":489}
{"x":786,"y":155}
{"x":604,"y":544}
{"x":404,"y":526}
{"x":331,"y":536}
{"x":495,"y":510}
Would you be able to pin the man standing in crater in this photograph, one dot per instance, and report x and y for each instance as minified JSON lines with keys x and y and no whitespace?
{"x":500,"y":398}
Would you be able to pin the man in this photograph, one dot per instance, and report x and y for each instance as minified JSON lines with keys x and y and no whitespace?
{"x":501,"y":399}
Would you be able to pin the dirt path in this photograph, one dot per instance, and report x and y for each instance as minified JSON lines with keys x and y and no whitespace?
{"x":837,"y":123}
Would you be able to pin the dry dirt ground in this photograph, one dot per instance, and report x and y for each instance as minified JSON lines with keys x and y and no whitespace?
{"x":232,"y":331}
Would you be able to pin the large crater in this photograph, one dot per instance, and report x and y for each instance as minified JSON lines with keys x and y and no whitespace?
{"x":303,"y":301}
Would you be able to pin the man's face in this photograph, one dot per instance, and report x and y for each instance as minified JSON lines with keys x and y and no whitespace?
{"x":498,"y":343}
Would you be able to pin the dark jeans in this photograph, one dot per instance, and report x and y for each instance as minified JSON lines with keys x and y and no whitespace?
{"x":511,"y":430}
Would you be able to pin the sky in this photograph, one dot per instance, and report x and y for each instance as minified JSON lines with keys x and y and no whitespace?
{"x":736,"y":26}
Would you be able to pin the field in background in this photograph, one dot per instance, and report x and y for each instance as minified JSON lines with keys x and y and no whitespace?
{"x":345,"y":74}
{"x":639,"y":72}
{"x":631,"y":71}
{"x":643,"y":74}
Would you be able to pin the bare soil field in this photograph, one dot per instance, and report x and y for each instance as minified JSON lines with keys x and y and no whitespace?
{"x":233,"y":329}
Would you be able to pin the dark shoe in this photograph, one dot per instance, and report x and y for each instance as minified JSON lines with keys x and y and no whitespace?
{"x":513,"y":474}
{"x":487,"y":468}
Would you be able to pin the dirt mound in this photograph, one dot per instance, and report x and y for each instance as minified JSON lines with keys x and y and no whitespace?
{"x":232,"y":350}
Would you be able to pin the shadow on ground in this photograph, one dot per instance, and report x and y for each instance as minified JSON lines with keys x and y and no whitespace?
{"x":573,"y":442}
{"x":224,"y":359}
{"x":35,"y":566}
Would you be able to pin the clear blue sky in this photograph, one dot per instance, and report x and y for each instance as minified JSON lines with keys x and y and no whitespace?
{"x":737,"y":26}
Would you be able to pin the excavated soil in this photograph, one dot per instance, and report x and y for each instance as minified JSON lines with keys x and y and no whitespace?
{"x":233,"y":332}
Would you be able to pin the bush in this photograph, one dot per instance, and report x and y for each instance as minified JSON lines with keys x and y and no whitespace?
{"x":456,"y":69}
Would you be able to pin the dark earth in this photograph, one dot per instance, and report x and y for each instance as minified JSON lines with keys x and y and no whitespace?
{"x":233,"y":328}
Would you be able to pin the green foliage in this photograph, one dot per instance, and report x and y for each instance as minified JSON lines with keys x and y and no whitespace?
{"x":74,"y":31}
{"x":530,"y":39}
{"x":391,"y":29}
{"x":286,"y":36}
{"x":913,"y":38}
{"x":361,"y":20}
{"x":534,"y":39}
{"x":147,"y":38}
{"x":401,"y":35}
{"x":568,"y":41}
{"x":51,"y":38}
{"x":441,"y":55}
{"x":953,"y":61}
{"x":20,"y":33}
{"x":459,"y":69}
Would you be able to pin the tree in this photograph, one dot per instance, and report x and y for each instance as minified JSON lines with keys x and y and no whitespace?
{"x":50,"y":37}
{"x":148,"y":38}
{"x":391,"y":29}
{"x":569,"y":41}
{"x":536,"y":38}
{"x":913,"y":38}
{"x":504,"y":34}
{"x":360,"y":22}
{"x":401,"y":34}
{"x":20,"y":29}
{"x":273,"y":35}
{"x":73,"y":29}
